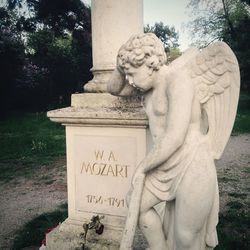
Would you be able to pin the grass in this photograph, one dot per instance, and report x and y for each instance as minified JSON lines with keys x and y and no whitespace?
{"x":33,"y":232}
{"x":233,"y":230}
{"x":247,"y":170}
{"x":234,"y":222}
{"x":27,"y":142}
{"x":226,"y":179}
{"x":242,"y":121}
{"x":237,"y":195}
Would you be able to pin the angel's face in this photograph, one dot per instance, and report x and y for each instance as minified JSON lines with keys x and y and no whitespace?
{"x":140,"y":78}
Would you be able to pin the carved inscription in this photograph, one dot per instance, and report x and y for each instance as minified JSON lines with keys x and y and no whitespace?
{"x":105,"y":164}
{"x":103,"y":167}
{"x":109,"y":201}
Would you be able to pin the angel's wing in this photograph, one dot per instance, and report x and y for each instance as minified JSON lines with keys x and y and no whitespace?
{"x":215,"y":72}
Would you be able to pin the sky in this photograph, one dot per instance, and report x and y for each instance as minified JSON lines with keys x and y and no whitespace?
{"x":170,"y":12}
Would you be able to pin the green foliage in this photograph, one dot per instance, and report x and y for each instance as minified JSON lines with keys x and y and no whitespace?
{"x":39,"y":42}
{"x":45,"y":54}
{"x":227,"y":20}
{"x":213,"y":19}
{"x":66,"y":64}
{"x":173,"y":54}
{"x":57,"y":15}
{"x":34,"y":231}
{"x":55,"y":55}
{"x":166,"y":34}
{"x":11,"y":58}
{"x":28,"y":141}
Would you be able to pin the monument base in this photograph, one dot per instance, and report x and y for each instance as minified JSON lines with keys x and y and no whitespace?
{"x":106,"y":138}
{"x":67,"y":236}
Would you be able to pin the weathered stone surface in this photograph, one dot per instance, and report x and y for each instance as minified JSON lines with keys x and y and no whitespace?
{"x":106,"y":100}
{"x":67,"y":237}
{"x":102,"y":110}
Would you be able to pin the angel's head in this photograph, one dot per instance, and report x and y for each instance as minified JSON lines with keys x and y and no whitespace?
{"x":139,"y":58}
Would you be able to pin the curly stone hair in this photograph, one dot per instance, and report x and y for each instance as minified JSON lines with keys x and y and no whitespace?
{"x":140,"y":49}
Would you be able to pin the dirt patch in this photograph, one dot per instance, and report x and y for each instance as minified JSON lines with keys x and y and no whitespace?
{"x":233,"y":173}
{"x":23,"y":199}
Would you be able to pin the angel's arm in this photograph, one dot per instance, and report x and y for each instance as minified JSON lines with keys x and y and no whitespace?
{"x":117,"y":85}
{"x":180,"y":97}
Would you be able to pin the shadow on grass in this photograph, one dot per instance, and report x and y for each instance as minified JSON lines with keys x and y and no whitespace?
{"x":233,"y":229}
{"x":33,"y":232}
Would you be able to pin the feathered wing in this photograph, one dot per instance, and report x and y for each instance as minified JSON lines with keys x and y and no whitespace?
{"x":215,"y":73}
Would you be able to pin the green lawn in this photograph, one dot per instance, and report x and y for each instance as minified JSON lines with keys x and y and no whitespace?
{"x":27,"y":142}
{"x":233,"y":228}
{"x":242,"y":122}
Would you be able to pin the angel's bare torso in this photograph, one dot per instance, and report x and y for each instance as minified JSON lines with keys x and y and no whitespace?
{"x":157,"y":105}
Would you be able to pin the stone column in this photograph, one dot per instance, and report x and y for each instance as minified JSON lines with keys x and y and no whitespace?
{"x":113,"y":22}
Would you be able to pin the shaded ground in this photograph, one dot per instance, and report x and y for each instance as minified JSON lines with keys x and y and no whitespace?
{"x":234,"y":172}
{"x":25,"y":198}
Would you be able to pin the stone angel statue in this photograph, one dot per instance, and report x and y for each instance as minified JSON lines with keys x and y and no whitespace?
{"x":191,"y":106}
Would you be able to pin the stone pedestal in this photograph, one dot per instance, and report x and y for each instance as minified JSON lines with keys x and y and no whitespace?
{"x":106,"y":138}
{"x":113,"y":22}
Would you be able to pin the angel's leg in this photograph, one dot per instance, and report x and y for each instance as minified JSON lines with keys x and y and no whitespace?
{"x":150,"y":223}
{"x":193,"y":204}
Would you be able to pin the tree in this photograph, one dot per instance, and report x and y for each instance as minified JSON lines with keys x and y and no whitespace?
{"x":212,"y":19}
{"x":173,"y":54}
{"x":226,"y":20}
{"x":57,"y":36}
{"x":11,"y":58}
{"x":166,"y":34}
{"x":59,"y":15}
{"x":169,"y":36}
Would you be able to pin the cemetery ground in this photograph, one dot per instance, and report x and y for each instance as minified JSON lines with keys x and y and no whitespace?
{"x":33,"y":189}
